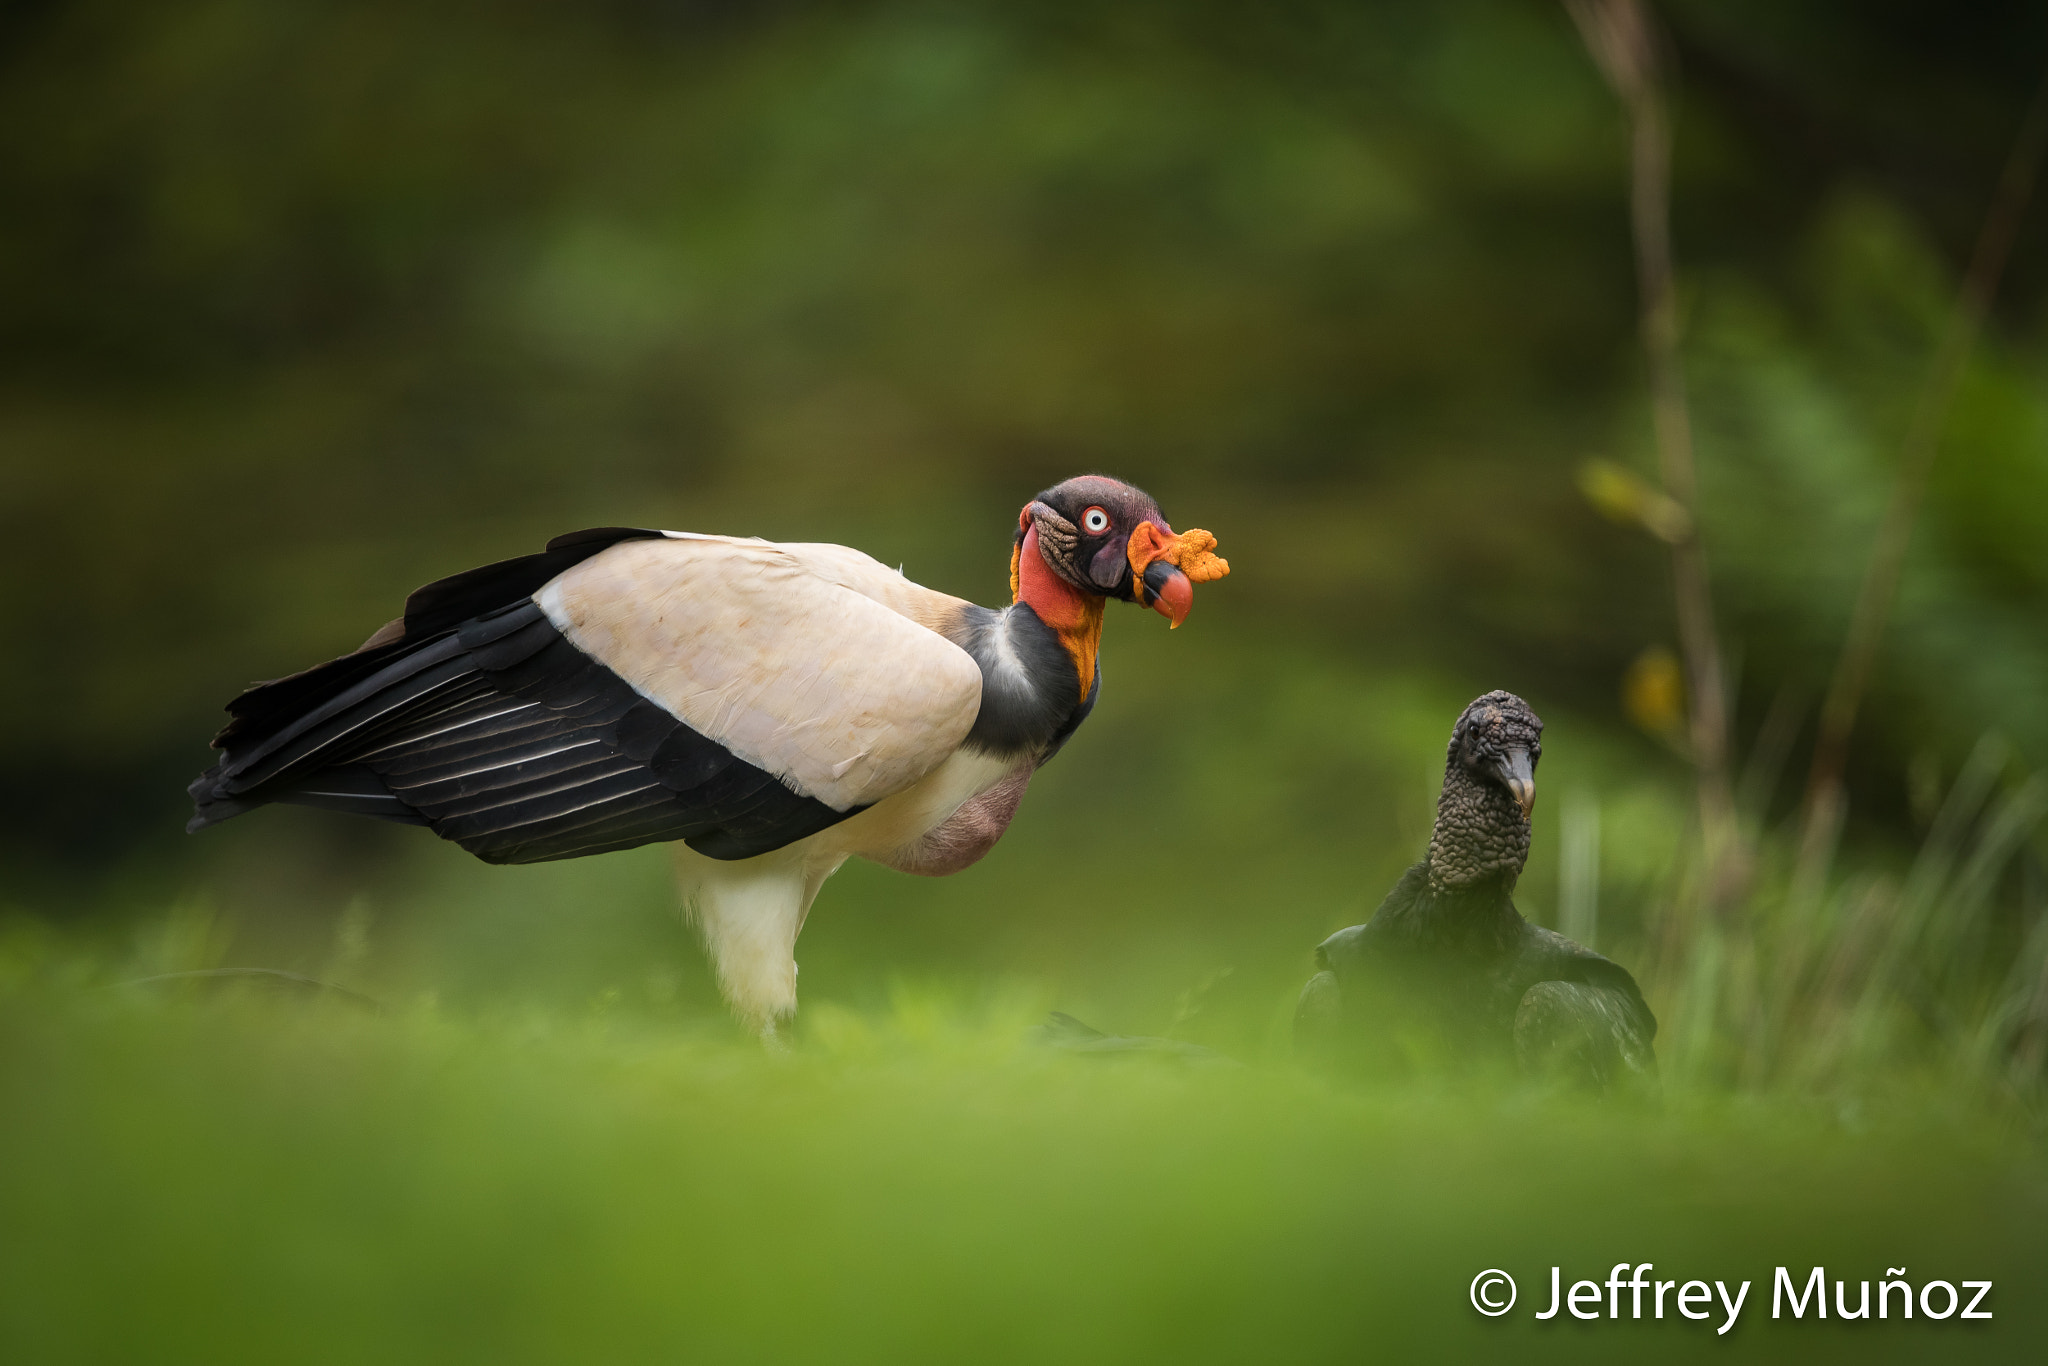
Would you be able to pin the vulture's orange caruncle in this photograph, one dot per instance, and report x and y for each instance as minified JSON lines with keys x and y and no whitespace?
{"x":776,"y":708}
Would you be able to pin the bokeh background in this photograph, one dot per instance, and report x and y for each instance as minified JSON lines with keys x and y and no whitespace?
{"x":308,"y":304}
{"x":305,"y":304}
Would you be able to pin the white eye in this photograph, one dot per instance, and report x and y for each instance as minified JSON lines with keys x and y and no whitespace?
{"x":1094,"y":521}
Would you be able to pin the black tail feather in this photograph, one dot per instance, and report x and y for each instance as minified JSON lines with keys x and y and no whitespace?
{"x":436,"y":609}
{"x":498,"y":733}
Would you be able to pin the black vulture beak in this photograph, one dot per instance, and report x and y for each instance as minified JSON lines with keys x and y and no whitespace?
{"x":1520,"y":776}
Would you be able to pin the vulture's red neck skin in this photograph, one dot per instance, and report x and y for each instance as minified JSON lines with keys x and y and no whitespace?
{"x":1074,"y":616}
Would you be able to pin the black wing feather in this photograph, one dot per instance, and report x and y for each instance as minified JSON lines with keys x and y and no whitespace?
{"x":439,"y":606}
{"x":1566,"y":960}
{"x":495,"y":731}
{"x":448,"y":603}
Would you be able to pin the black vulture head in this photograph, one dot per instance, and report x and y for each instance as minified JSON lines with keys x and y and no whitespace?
{"x":1482,"y":816}
{"x":1106,"y":539}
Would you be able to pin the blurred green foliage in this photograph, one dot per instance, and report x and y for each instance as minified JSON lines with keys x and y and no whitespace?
{"x":303,"y":304}
{"x":252,"y":1180}
{"x":307,"y":304}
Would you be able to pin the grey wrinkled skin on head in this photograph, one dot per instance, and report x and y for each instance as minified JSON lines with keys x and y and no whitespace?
{"x":1059,"y":540}
{"x":1480,"y":831}
{"x":1095,"y":563}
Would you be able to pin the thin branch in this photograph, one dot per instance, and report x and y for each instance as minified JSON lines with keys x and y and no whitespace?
{"x":1879,"y":589}
{"x":1623,"y":43}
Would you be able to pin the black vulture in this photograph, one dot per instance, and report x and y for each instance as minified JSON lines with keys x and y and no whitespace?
{"x":1448,"y":972}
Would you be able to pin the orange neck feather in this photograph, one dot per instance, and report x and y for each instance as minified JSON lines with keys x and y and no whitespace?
{"x":1074,"y":616}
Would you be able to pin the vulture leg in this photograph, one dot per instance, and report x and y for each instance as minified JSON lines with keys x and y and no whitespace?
{"x":1584,"y":1037}
{"x":750,"y":913}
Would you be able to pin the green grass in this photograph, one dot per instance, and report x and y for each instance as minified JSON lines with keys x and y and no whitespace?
{"x":237,"y":1175}
{"x":552,"y":1146}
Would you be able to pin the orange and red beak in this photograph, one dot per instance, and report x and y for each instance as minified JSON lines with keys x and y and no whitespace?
{"x":1166,"y":566}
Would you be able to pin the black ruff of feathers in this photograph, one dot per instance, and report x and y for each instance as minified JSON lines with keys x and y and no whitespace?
{"x":1448,"y":971}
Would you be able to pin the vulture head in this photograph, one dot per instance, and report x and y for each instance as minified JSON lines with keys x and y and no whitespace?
{"x":1105,"y":539}
{"x":1482,"y":815}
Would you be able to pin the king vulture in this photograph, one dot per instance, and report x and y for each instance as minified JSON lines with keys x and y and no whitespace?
{"x":1447,"y":969}
{"x":776,"y":709}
